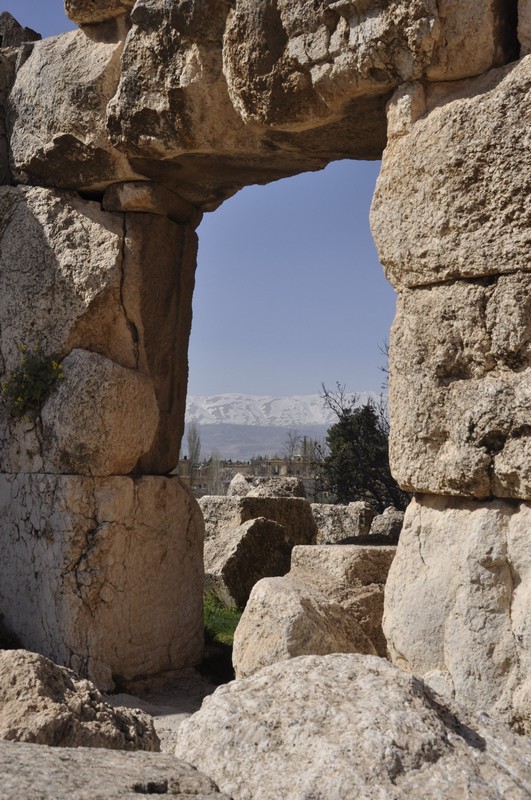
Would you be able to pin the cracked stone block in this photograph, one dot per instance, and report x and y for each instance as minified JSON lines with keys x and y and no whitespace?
{"x":103,"y":575}
{"x":152,"y":198}
{"x":101,"y":419}
{"x":452,"y":197}
{"x":56,"y":112}
{"x":460,"y":388}
{"x":75,"y":277}
{"x":457,"y":603}
{"x":238,"y":558}
{"x":32,"y":771}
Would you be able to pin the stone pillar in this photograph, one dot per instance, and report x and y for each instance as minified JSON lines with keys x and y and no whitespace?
{"x":101,"y":552}
{"x":451,"y":218}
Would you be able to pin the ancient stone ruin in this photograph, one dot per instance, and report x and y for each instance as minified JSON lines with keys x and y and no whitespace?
{"x":114,"y":139}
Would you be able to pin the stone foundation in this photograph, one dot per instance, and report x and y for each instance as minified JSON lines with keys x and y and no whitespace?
{"x":103,"y":575}
{"x":457,"y":603}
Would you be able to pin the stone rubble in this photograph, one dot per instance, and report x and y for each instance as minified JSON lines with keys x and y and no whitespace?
{"x":43,"y":703}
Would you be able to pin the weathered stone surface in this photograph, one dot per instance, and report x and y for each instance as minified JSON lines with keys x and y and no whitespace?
{"x":37,"y":772}
{"x":331,"y":601}
{"x":152,"y":198}
{"x":460,"y":388}
{"x":226,"y":513}
{"x":524,"y":27}
{"x":60,"y":277}
{"x":457,"y":603}
{"x":248,"y":486}
{"x":95,"y":290}
{"x":387,"y":526}
{"x":86,"y":12}
{"x":178,"y":118}
{"x":159,"y":268}
{"x":278,"y":487}
{"x":12,"y":34}
{"x":43,"y":703}
{"x":239,"y":557}
{"x":353,"y":576}
{"x":240,"y":485}
{"x":294,"y":64}
{"x":285,"y":618}
{"x":56,"y":113}
{"x":464,"y":210}
{"x":348,"y":726}
{"x":337,"y":524}
{"x":103,"y":575}
{"x":101,"y":419}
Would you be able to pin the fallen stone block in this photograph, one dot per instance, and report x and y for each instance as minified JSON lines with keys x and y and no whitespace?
{"x":347,"y":726}
{"x":37,"y":772}
{"x":330,"y":601}
{"x":43,"y":703}
{"x":285,"y":618}
{"x":293,"y":513}
{"x":236,"y":560}
{"x":337,"y":524}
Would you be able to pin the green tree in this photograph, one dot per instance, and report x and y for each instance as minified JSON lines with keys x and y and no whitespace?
{"x":357,"y":465}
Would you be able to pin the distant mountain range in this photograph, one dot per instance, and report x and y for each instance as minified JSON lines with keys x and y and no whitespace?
{"x":241,"y":426}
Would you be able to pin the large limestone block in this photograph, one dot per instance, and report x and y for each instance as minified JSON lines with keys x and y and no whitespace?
{"x":460,"y":389}
{"x":160,"y":258}
{"x":101,"y":419}
{"x":150,"y":197}
{"x":115,"y":284}
{"x":87,"y":12}
{"x":337,"y":524}
{"x":452,"y":198}
{"x":222,"y":514}
{"x":56,"y":112}
{"x":353,"y":576}
{"x":347,"y":726}
{"x":43,"y":703}
{"x":12,"y":34}
{"x":457,"y":603}
{"x":103,"y":575}
{"x":331,"y":601}
{"x":277,"y":487}
{"x":292,"y":64}
{"x":37,"y":772}
{"x":60,"y":276}
{"x":186,"y":118}
{"x":240,"y":557}
{"x":284,"y":619}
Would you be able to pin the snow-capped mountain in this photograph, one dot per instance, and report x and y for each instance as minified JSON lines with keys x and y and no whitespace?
{"x":241,"y":409}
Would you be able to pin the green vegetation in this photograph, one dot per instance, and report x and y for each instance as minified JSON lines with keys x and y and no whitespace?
{"x":220,"y":623}
{"x":357,"y":464}
{"x":31,"y":383}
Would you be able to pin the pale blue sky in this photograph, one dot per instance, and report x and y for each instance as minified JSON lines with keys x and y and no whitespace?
{"x":289,"y":290}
